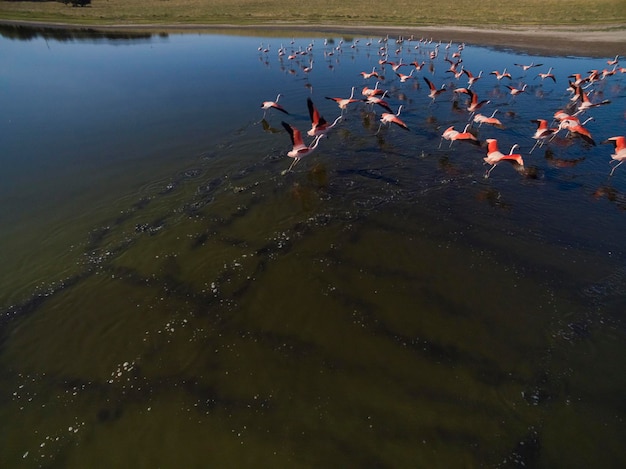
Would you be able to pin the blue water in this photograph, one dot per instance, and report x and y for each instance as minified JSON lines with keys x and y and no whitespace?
{"x":170,"y":298}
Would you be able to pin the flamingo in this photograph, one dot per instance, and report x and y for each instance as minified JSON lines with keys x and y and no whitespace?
{"x":543,"y":132}
{"x":494,"y":156}
{"x":471,"y":79}
{"x":452,"y":135}
{"x":319,"y":126}
{"x":418,"y":66}
{"x":515,"y":91}
{"x":434,"y":92}
{"x":576,"y":128}
{"x":585,"y":102}
{"x":372,"y":91}
{"x":620,"y":150}
{"x":501,"y":75}
{"x":474,"y":104}
{"x":403,"y":77}
{"x":396,"y":66}
{"x":380,"y":101}
{"x":548,"y":74}
{"x":299,"y":149}
{"x":371,"y":74}
{"x":272,"y":105}
{"x":480,"y":119}
{"x":614,"y":61}
{"x":390,"y":118}
{"x":528,"y":67}
{"x":344,"y":102}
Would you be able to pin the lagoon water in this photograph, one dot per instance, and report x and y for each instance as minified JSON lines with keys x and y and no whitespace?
{"x":169,"y":298}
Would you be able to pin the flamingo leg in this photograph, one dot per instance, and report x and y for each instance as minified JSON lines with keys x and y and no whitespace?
{"x":615,"y":167}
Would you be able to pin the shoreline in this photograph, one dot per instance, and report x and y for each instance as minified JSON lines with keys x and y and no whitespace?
{"x":589,"y":41}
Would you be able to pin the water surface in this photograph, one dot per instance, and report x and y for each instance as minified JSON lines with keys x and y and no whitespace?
{"x":171,"y":299}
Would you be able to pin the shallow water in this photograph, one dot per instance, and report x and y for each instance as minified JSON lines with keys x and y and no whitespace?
{"x":171,"y":299}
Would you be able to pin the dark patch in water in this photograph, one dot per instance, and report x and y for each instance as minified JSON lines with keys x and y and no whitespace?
{"x":106,"y":415}
{"x":527,"y":453}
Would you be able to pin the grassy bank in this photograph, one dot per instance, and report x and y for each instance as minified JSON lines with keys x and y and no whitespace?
{"x":476,"y":13}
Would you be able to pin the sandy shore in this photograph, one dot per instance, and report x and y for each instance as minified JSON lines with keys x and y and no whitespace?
{"x":587,"y":41}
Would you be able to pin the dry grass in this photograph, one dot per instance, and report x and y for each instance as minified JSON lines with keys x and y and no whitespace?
{"x":476,"y":13}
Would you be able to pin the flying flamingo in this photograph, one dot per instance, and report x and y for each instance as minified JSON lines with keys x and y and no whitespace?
{"x":515,"y":91}
{"x":501,"y":75}
{"x":620,"y":150}
{"x":344,"y":102}
{"x":403,"y":77}
{"x":434,"y":92}
{"x":372,"y":91}
{"x":548,"y":74}
{"x":390,"y":118}
{"x":371,"y":74}
{"x":272,"y":105}
{"x":585,"y":102}
{"x":380,"y":101}
{"x":614,"y":61}
{"x":319,"y":126}
{"x":528,"y":67}
{"x":299,"y":149}
{"x":576,"y":128}
{"x":480,"y":120}
{"x":494,"y":156}
{"x":543,"y":132}
{"x":471,"y":79}
{"x":474,"y":104}
{"x":453,"y":135}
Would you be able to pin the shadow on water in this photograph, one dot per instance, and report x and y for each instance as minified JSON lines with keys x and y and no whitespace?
{"x":28,"y":33}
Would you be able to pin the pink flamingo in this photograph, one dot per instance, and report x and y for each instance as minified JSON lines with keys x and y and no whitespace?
{"x":319,"y":126}
{"x":453,"y":135}
{"x":543,"y":132}
{"x":272,"y":105}
{"x":300,"y":149}
{"x":344,"y":102}
{"x":494,"y":156}
{"x":434,"y":92}
{"x":480,"y":120}
{"x":620,"y":150}
{"x":390,"y":118}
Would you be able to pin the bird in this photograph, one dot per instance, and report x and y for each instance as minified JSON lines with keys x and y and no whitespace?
{"x":515,"y":91}
{"x":300,"y":149}
{"x":319,"y":126}
{"x":494,"y":156}
{"x":480,"y":120}
{"x":574,"y":127}
{"x":471,"y":79}
{"x":344,"y":102}
{"x":371,"y":74}
{"x":620,"y":150}
{"x":367,"y":91}
{"x":548,"y":74}
{"x":453,"y":135}
{"x":501,"y":75}
{"x":390,"y":118}
{"x":585,"y":102}
{"x":614,"y":61}
{"x":380,"y":101}
{"x":543,"y":133}
{"x":403,"y":77}
{"x":529,"y":66}
{"x":434,"y":92}
{"x":474,"y":104}
{"x":272,"y":105}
